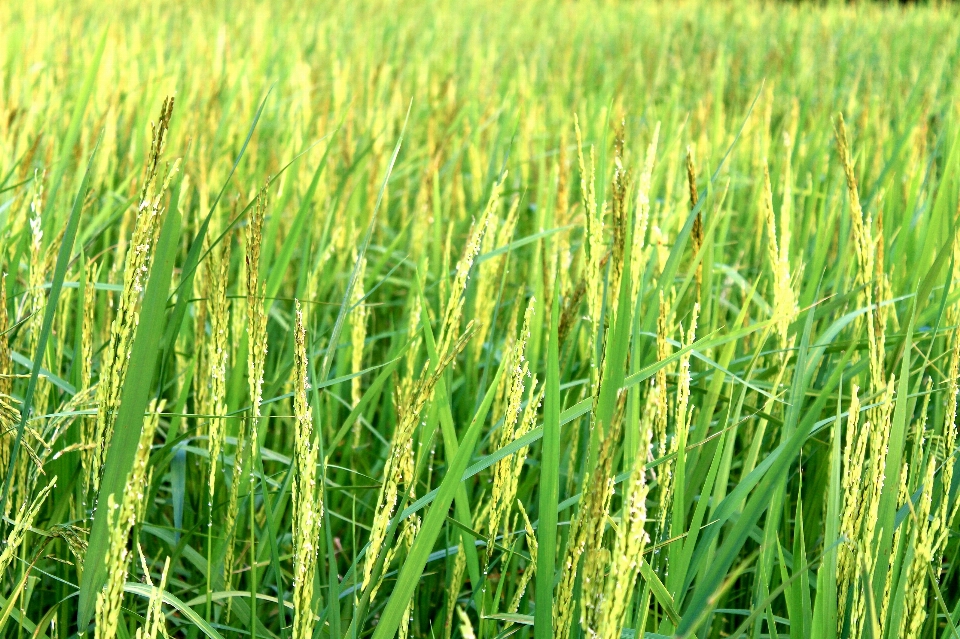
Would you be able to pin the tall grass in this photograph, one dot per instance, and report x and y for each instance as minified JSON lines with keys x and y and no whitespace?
{"x":586,"y":320}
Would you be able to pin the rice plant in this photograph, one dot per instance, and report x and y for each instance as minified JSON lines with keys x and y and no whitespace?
{"x":479,"y":319}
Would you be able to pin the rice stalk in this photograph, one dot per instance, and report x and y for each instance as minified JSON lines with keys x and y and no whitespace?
{"x":215,"y":378}
{"x":456,"y":578}
{"x":115,"y":357}
{"x":784,"y":298}
{"x":256,"y":315}
{"x":620,"y":221}
{"x":412,"y":398}
{"x":489,"y":272}
{"x":121,"y":519}
{"x":38,"y":274}
{"x":631,"y":538}
{"x":88,"y":424}
{"x":218,"y":352}
{"x":642,"y":215}
{"x":307,"y":494}
{"x":516,"y":423}
{"x":947,"y":511}
{"x":9,"y":415}
{"x":155,"y":621}
{"x":358,"y":334}
{"x":924,"y":534}
{"x":696,"y":233}
{"x":593,"y":246}
{"x":851,"y":519}
{"x":584,"y":542}
{"x":659,"y":399}
{"x":256,"y":360}
{"x":866,"y":247}
{"x":241,"y":457}
{"x":682,"y":414}
{"x":409,"y":407}
{"x":466,"y":628}
{"x":453,"y":309}
{"x":22,"y":523}
{"x":204,"y":283}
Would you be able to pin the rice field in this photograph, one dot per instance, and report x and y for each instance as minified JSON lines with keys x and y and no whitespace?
{"x":474,"y":320}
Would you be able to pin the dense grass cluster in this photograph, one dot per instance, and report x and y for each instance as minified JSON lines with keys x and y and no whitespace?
{"x":469,"y":320}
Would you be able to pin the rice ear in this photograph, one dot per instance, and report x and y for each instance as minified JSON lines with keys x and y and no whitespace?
{"x":307,"y":493}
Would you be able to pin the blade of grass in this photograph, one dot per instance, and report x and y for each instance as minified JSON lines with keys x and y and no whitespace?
{"x":416,"y":560}
{"x":451,"y":446}
{"x":172,"y":600}
{"x":134,"y":397}
{"x":549,"y":484}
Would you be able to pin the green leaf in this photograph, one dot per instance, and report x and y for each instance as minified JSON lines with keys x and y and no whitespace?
{"x":134,"y":397}
{"x":549,"y":484}
{"x":393,"y":615}
{"x":887,"y":510}
{"x":825,"y":606}
{"x":660,"y":592}
{"x":513,"y":617}
{"x":451,"y":445}
{"x":171,"y":600}
{"x":523,"y":241}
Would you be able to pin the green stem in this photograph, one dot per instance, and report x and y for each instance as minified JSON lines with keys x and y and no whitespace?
{"x":254,"y":447}
{"x":209,"y":556}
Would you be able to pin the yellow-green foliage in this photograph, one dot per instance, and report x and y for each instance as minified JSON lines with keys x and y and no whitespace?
{"x":359,"y":263}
